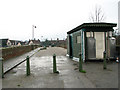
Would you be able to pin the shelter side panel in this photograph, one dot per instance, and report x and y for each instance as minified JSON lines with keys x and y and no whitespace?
{"x":76,"y":44}
{"x":100,"y":44}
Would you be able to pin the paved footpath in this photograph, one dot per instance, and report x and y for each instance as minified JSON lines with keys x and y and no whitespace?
{"x":12,"y":62}
{"x":69,"y":77}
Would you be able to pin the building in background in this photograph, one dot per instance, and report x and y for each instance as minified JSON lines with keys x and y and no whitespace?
{"x":34,"y":42}
{"x":15,"y":43}
{"x":3,"y":42}
{"x":118,"y":37}
{"x":55,"y":43}
{"x":8,"y":43}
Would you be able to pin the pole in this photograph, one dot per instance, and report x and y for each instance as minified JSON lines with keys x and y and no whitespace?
{"x":33,"y":32}
{"x":1,"y":68}
{"x":54,"y":64}
{"x":104,"y":62}
{"x":105,"y":39}
{"x":80,"y":62}
{"x":27,"y":66}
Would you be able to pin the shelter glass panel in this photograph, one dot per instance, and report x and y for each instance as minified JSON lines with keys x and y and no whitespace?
{"x":78,"y":39}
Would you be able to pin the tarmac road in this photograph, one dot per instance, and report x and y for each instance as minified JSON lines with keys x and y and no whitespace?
{"x":42,"y":75}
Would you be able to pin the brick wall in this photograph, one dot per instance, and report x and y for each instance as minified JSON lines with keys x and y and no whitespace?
{"x":11,"y":52}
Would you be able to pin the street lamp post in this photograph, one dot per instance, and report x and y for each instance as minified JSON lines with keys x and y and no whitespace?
{"x":41,"y":38}
{"x":33,"y":26}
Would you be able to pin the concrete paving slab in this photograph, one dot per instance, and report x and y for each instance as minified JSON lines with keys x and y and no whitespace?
{"x":13,"y":61}
{"x":42,"y":75}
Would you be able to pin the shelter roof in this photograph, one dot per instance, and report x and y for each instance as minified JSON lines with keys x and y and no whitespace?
{"x":96,"y":27}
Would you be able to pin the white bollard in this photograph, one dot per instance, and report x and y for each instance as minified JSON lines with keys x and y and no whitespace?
{"x":117,"y":60}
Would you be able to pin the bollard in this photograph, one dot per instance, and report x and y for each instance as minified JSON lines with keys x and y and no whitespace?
{"x":80,"y":62}
{"x":1,"y":68}
{"x":27,"y":66}
{"x":54,"y":64}
{"x":104,"y":62}
{"x":117,"y":59}
{"x":32,"y":46}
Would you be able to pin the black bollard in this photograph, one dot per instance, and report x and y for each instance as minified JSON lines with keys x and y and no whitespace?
{"x":54,"y":64}
{"x":27,"y":66}
{"x":104,"y":62}
{"x":80,"y":62}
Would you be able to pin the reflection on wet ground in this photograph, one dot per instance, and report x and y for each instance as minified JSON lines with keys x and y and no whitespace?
{"x":42,"y":75}
{"x":12,"y":62}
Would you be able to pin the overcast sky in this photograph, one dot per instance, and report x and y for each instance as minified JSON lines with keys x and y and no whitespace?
{"x":53,"y":18}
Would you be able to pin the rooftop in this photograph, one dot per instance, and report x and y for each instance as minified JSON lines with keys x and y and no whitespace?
{"x":102,"y":27}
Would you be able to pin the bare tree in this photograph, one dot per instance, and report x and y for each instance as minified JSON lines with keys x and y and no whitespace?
{"x":97,"y":16}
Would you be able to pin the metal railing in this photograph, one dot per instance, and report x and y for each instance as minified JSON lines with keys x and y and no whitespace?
{"x":2,"y":73}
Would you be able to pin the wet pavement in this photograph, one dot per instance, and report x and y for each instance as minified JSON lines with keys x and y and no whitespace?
{"x":42,"y":75}
{"x":13,"y":61}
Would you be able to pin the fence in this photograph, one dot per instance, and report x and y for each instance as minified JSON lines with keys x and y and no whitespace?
{"x":11,"y":52}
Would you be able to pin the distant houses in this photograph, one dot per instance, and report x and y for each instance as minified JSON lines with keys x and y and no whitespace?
{"x":34,"y":42}
{"x":9,"y":43}
{"x":55,"y":43}
{"x":15,"y":43}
